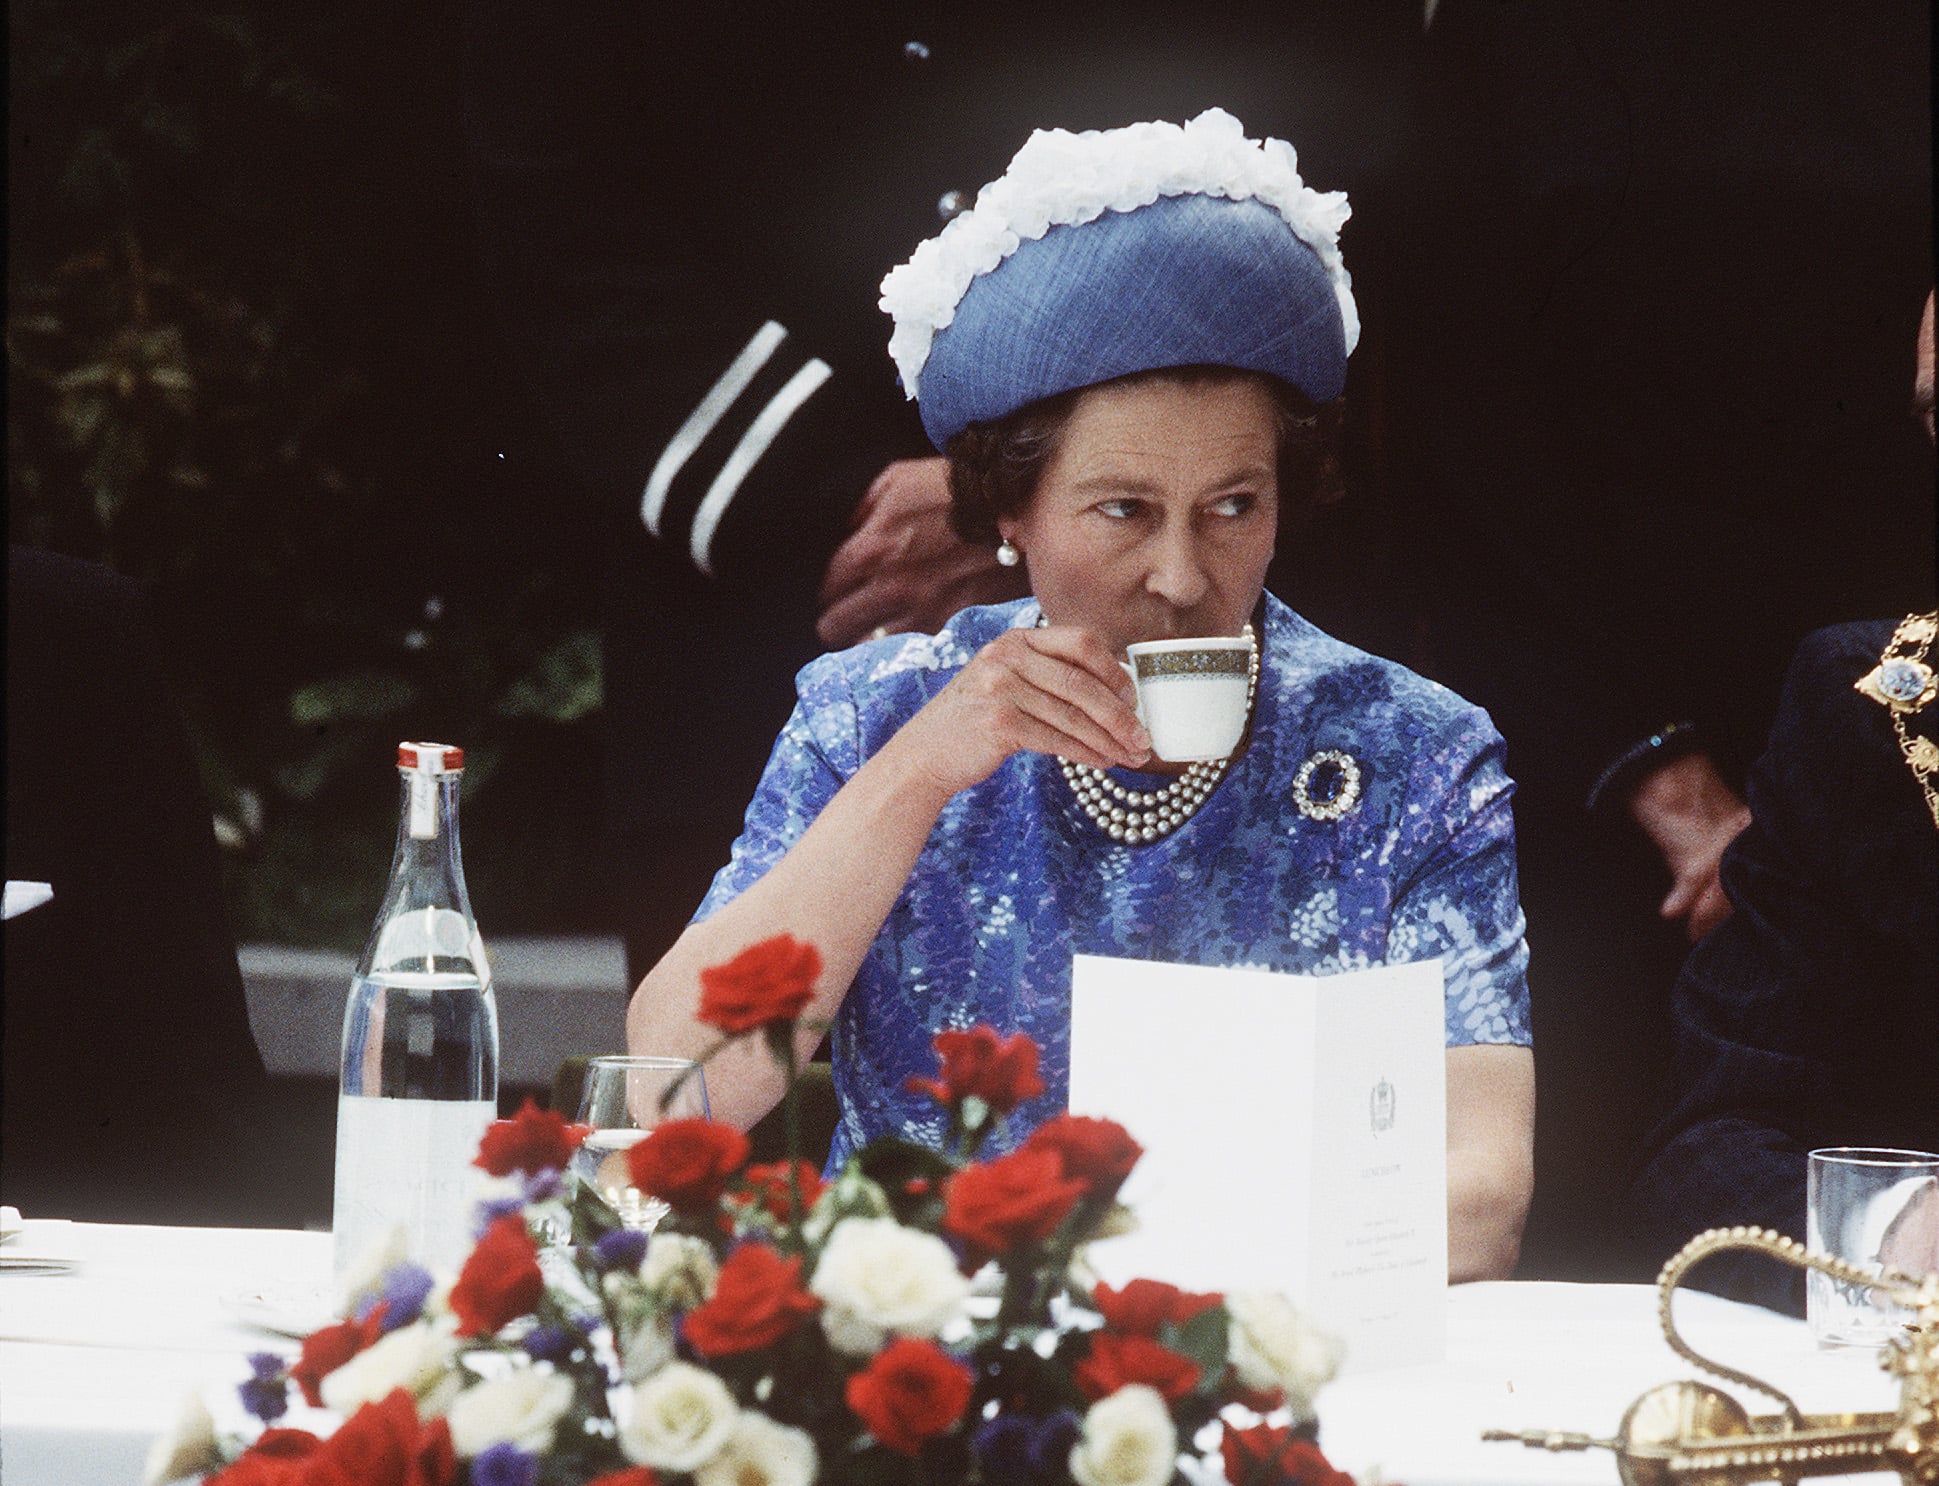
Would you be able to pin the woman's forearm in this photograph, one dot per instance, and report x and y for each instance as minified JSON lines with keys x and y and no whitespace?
{"x":1048,"y":690}
{"x":833,"y":888}
{"x":1491,"y":1150}
{"x":1486,"y":1209}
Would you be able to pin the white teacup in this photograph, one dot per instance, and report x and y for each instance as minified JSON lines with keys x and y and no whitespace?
{"x":1192,"y":695}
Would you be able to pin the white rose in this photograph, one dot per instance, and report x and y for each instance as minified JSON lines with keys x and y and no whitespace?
{"x":877,"y":1279}
{"x":186,"y":1450}
{"x":760,"y":1452}
{"x":1128,"y":1440}
{"x":645,"y":1347}
{"x":522,"y":1409}
{"x":680,"y":1269}
{"x":417,"y":1357}
{"x":679,"y":1419}
{"x":1271,"y":1345}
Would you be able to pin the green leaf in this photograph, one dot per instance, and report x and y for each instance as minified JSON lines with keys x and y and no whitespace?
{"x":1203,"y":1339}
{"x":869,"y":1464}
{"x":310,"y":775}
{"x":850,"y":1195}
{"x":565,"y":684}
{"x":894,"y":1164}
{"x":365,"y":695}
{"x":96,"y":374}
{"x":592,"y":1218}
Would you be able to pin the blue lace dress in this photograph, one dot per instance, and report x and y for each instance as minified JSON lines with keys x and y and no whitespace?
{"x":1015,"y":879}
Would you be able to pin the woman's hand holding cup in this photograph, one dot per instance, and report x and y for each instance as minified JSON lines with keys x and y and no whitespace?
{"x":1055,"y":690}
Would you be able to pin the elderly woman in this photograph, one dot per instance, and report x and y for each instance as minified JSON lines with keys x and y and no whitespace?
{"x":1130,"y":351}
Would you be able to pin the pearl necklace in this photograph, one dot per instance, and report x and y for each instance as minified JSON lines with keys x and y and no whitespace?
{"x":1138,"y":817}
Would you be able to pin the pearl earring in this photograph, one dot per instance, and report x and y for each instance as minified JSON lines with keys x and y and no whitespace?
{"x":1007,"y":554}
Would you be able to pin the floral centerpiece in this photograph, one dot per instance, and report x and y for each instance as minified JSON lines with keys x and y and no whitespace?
{"x":926,"y":1317}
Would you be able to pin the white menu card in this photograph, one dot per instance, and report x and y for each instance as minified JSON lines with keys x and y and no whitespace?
{"x":1295,"y":1135}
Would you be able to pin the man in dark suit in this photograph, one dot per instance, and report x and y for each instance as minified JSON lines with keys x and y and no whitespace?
{"x":1811,"y":1017}
{"x":1650,"y":284}
{"x":133,"y":1088}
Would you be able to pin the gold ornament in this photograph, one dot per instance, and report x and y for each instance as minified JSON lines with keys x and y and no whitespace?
{"x":1904,"y":683}
{"x":1691,"y":1434}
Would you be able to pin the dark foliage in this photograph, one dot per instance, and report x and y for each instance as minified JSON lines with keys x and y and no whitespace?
{"x":248,"y":361}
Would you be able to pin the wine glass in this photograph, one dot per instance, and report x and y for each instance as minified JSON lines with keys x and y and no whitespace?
{"x":621,"y":1105}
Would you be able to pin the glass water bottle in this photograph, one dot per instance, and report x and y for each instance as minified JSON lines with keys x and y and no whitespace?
{"x":420,"y":1041}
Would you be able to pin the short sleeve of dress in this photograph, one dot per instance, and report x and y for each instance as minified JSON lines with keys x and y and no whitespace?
{"x":816,"y":753}
{"x":1458,"y":899}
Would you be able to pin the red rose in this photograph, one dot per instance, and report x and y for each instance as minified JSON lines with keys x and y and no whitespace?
{"x":768,"y":982}
{"x":1143,"y":1306}
{"x":327,"y":1350}
{"x":1116,"y":1360}
{"x":500,"y":1281}
{"x":1002,"y":1072}
{"x":911,"y":1392}
{"x":687,"y":1163}
{"x":275,"y":1459}
{"x":383,"y":1444}
{"x":1098,"y":1153}
{"x":285,"y":1444}
{"x":757,"y":1300}
{"x":1265,"y":1455}
{"x":766,"y":1186}
{"x":1019,"y":1198}
{"x":533,"y":1140}
{"x":639,"y":1475}
{"x":1259,"y":1400}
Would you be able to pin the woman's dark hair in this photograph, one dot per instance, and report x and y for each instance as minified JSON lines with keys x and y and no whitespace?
{"x":994,"y":468}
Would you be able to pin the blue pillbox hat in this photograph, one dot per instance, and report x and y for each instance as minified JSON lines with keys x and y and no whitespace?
{"x":1186,"y":281}
{"x":1103,"y":254}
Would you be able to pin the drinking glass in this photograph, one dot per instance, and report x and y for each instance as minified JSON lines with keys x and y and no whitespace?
{"x":1876,"y":1209}
{"x":621,"y":1104}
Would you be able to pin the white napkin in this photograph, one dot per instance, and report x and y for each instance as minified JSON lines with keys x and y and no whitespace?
{"x":22,"y":896}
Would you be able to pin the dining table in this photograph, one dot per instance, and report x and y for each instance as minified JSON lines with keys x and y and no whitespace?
{"x":107,"y":1330}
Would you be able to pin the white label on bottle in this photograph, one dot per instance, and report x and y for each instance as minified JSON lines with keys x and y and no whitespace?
{"x":408,"y":1162}
{"x":425,"y":934}
{"x":424,"y":804}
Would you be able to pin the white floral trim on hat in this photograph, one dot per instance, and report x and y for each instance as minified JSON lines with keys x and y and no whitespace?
{"x":1062,"y":179}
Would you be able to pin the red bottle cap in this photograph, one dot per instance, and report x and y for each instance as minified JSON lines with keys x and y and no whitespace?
{"x":432,"y":758}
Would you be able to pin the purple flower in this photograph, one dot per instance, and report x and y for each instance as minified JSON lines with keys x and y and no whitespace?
{"x":1003,"y":1447}
{"x":266,"y":1392}
{"x":552,"y":1344}
{"x":1055,"y":1438}
{"x":405,"y":1289}
{"x":498,"y":1207}
{"x":542,"y":1186}
{"x":504,"y":1465}
{"x":623,"y":1248}
{"x":1017,"y":1448}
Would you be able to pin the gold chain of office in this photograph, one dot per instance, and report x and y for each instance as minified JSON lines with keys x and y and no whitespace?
{"x":1904,"y":683}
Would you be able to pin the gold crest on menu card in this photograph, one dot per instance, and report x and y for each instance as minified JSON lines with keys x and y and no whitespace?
{"x":1690,"y":1434}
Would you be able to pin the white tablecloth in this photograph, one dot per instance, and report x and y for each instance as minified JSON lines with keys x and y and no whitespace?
{"x":95,"y":1364}
{"x":1568,"y":1357}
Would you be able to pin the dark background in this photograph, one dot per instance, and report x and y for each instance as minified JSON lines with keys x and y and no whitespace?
{"x":248,"y":361}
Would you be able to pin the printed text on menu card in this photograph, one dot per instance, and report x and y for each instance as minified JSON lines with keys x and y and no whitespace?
{"x":1295,"y":1130}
